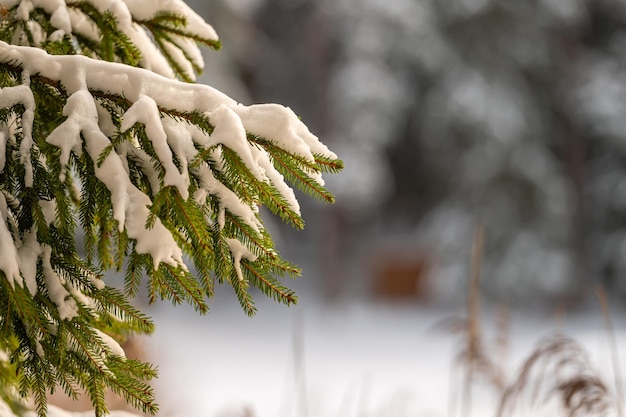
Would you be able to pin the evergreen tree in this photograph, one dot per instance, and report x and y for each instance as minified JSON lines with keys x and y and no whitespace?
{"x":102,"y":131}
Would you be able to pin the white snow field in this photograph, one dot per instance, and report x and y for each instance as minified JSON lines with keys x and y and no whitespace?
{"x":357,"y":359}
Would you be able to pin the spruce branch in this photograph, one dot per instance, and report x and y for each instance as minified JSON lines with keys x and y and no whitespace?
{"x":299,"y":170}
{"x":269,"y":285}
{"x":328,"y":165}
{"x":173,"y":23}
{"x":100,"y":135}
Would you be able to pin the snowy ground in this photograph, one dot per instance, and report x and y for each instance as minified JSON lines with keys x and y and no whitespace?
{"x":360,"y":359}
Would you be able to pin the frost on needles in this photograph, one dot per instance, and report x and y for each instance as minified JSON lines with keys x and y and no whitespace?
{"x":103,"y":135}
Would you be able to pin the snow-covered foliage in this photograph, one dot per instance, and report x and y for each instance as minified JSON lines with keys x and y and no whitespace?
{"x":100,"y":129}
{"x":139,"y":23}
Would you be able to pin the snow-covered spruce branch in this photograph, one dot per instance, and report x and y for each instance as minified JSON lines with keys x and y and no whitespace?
{"x":155,"y":172}
{"x":124,"y":116}
{"x":200,"y":163}
{"x":159,"y":35}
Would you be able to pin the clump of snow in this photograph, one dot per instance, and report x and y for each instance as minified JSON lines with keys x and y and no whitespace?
{"x":146,"y":111}
{"x":221,"y":218}
{"x":28,"y":255}
{"x":9,"y":97}
{"x":60,"y":18}
{"x":66,"y":305}
{"x":142,"y":10}
{"x":113,"y":347}
{"x":48,"y":207}
{"x":4,"y":138}
{"x":282,"y":126}
{"x":67,"y":135}
{"x":239,"y":251}
{"x":9,"y":259}
{"x":82,"y":25}
{"x":39,"y":349}
{"x":96,"y":282}
{"x":180,"y":141}
{"x":24,"y":9}
{"x":230,"y":131}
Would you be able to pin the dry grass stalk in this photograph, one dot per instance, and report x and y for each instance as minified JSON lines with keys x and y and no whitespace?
{"x":584,"y":395}
{"x":502,"y":345}
{"x":473,"y":357}
{"x":473,"y":349}
{"x":556,"y":371}
{"x":619,"y":389}
{"x":559,"y":366}
{"x":473,"y":299}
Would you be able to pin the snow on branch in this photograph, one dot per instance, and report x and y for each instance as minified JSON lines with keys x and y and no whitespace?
{"x":271,"y":121}
{"x":165,"y":31}
{"x":101,"y":130}
{"x":162,"y":106}
{"x":8,"y":261}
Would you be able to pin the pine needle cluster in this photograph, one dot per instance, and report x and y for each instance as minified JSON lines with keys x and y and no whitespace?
{"x":65,"y":219}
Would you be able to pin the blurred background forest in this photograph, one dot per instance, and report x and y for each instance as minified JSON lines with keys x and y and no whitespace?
{"x":447,"y":113}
